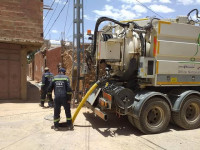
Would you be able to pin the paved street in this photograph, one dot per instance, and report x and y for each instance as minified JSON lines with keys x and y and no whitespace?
{"x":27,"y":126}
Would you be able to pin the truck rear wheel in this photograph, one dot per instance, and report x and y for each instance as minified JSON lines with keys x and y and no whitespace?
{"x":189,"y":115}
{"x":131,"y":120}
{"x":155,"y":116}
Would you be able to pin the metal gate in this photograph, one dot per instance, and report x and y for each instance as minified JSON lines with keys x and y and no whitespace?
{"x":10,"y":74}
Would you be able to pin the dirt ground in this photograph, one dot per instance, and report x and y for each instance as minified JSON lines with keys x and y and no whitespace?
{"x":25,"y":125}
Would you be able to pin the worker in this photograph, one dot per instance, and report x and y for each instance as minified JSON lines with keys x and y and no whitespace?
{"x":46,"y":80}
{"x":63,"y":92}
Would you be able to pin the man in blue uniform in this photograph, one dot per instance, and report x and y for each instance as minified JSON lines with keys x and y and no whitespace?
{"x":46,"y":80}
{"x":62,"y":92}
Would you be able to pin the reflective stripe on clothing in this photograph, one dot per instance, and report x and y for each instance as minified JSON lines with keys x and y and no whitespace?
{"x":70,"y":93}
{"x":57,"y":120}
{"x":57,"y":79}
{"x":42,"y":100}
{"x":48,"y":75}
{"x":69,"y":118}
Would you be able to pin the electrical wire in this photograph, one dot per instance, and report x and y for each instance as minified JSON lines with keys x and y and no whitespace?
{"x":49,"y":10}
{"x":56,"y":18}
{"x":149,"y":9}
{"x":69,"y":28}
{"x":66,"y":19}
{"x":52,"y":16}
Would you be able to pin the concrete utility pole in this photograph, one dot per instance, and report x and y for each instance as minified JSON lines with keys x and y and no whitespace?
{"x":78,"y":46}
{"x":62,"y":42}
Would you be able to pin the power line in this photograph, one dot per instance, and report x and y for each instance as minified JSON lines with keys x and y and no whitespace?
{"x":56,"y":18}
{"x":51,"y":16}
{"x":69,"y":28}
{"x":66,"y":17}
{"x":49,"y":9}
{"x":149,"y":9}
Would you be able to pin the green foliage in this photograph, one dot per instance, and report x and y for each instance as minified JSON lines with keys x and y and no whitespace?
{"x":31,"y":56}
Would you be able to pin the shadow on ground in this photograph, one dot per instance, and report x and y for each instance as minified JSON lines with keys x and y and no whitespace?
{"x":118,"y":126}
{"x":33,"y":95}
{"x":114,"y":126}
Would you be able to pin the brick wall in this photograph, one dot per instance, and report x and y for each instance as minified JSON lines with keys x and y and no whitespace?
{"x":39,"y":66}
{"x":21,"y":21}
{"x":30,"y":70}
{"x":53,"y":57}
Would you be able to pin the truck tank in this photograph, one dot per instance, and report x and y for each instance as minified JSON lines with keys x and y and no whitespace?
{"x":166,"y":44}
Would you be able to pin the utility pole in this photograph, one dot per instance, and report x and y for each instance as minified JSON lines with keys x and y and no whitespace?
{"x":78,"y":46}
{"x":62,"y":42}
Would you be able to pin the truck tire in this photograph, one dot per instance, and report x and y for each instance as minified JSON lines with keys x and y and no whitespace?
{"x":131,"y":120}
{"x":189,"y":115}
{"x":155,"y":116}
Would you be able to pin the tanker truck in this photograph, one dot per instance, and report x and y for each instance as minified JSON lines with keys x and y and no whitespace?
{"x":152,"y":71}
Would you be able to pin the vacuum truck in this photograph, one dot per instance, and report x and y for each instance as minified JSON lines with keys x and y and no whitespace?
{"x":152,"y":71}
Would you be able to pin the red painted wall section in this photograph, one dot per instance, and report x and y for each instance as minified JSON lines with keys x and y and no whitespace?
{"x":53,"y":58}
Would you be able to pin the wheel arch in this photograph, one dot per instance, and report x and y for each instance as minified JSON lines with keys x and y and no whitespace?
{"x":142,"y":97}
{"x":181,"y":97}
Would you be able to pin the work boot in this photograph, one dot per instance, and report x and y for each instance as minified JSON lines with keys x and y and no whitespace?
{"x":56,"y":127}
{"x":51,"y":104}
{"x":41,"y":104}
{"x":70,"y":127}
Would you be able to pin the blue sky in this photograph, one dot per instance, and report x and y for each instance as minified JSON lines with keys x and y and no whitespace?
{"x":116,"y":9}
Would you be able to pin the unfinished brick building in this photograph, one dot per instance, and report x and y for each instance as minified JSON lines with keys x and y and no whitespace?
{"x":21,"y":31}
{"x":49,"y":58}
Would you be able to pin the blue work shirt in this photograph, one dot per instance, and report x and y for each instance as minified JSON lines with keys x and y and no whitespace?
{"x":61,"y":86}
{"x":47,"y":77}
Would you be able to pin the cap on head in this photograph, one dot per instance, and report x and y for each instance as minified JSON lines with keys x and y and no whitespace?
{"x":62,"y":70}
{"x":46,"y":69}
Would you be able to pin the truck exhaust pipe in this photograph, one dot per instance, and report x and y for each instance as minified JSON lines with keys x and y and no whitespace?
{"x":101,"y":114}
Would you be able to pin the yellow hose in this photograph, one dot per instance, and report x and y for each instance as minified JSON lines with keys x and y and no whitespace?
{"x":83,"y":101}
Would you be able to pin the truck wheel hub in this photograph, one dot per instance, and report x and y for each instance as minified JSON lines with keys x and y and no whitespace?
{"x":192,"y":112}
{"x":154,"y":116}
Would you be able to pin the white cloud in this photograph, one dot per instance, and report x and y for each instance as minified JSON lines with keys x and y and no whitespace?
{"x":108,"y":0}
{"x":193,"y":16}
{"x":161,"y":8}
{"x":87,"y":17}
{"x":126,"y":6}
{"x":198,"y":1}
{"x":135,"y":1}
{"x":139,"y":9}
{"x":186,"y":2}
{"x":165,"y":1}
{"x":54,"y":31}
{"x":117,"y":14}
{"x":54,"y":42}
{"x":60,"y":2}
